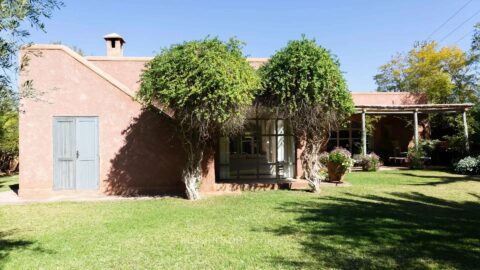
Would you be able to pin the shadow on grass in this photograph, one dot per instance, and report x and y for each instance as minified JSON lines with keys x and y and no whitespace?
{"x":434,"y":180}
{"x":9,"y":244}
{"x":395,"y":231}
{"x":6,"y":180}
{"x":14,"y":188}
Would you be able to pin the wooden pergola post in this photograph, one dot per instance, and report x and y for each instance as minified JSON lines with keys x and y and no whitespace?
{"x":415,"y":127}
{"x":364,"y":134}
{"x":465,"y":130}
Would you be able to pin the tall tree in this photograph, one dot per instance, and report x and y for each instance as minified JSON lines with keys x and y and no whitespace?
{"x":443,"y":74}
{"x":304,"y":83}
{"x":208,"y":85}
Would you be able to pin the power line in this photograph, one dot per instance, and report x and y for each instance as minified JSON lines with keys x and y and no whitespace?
{"x":466,"y":35}
{"x":456,"y":28}
{"x":451,"y":17}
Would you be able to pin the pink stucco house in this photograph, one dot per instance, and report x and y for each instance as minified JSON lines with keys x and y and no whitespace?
{"x":84,"y":132}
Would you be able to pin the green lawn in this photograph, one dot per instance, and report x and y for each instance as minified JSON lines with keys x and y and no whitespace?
{"x":8,"y":182}
{"x":385,"y":220}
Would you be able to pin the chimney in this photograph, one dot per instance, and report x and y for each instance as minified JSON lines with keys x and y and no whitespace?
{"x":114,"y":44}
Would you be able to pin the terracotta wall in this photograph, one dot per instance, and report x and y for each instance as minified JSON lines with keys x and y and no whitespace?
{"x":383,"y":98}
{"x":138,"y":150}
{"x":125,"y":69}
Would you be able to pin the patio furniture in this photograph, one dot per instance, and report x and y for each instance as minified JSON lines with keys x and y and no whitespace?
{"x":398,"y":160}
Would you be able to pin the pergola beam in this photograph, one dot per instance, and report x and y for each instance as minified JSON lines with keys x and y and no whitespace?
{"x":408,"y":109}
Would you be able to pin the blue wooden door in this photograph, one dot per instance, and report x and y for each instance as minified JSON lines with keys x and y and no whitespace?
{"x":64,"y":153}
{"x":87,"y":153}
{"x":75,"y":143}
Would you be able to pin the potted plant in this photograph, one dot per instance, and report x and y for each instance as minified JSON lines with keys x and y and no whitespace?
{"x":339,"y":162}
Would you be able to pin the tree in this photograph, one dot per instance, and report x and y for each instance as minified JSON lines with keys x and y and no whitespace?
{"x":8,"y":132}
{"x":443,"y":74}
{"x":304,"y":83}
{"x":208,"y":85}
{"x":15,"y":15}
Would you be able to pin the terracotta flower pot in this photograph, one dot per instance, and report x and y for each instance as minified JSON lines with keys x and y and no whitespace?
{"x":335,"y":172}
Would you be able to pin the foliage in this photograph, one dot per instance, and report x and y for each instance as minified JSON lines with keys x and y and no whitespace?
{"x":337,"y":163}
{"x":474,"y":123}
{"x":468,"y":165}
{"x":209,"y":85}
{"x":371,"y":122}
{"x":341,"y":156}
{"x":428,"y":146}
{"x":456,"y":146}
{"x":15,"y":15}
{"x":416,"y":158}
{"x":443,"y":74}
{"x":8,"y":136}
{"x":370,"y":162}
{"x":323,"y":158}
{"x":304,"y":82}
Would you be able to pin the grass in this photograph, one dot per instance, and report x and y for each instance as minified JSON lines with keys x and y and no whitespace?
{"x":8,"y":182}
{"x":385,"y":220}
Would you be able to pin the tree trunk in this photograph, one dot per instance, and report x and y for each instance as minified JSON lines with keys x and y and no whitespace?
{"x":192,"y":180}
{"x":192,"y":174}
{"x":312,"y":166}
{"x":314,"y":185}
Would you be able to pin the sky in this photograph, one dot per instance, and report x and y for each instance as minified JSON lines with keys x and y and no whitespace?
{"x":363,"y":34}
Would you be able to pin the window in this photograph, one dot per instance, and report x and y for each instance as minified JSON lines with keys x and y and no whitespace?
{"x":266,"y":150}
{"x":350,"y":138}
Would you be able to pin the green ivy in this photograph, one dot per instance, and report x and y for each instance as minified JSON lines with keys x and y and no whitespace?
{"x":304,"y":74}
{"x":207,"y":81}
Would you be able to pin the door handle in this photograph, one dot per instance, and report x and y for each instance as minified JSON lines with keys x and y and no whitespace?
{"x":77,"y":154}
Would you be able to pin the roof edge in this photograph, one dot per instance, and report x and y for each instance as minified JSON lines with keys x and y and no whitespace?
{"x":386,"y":93}
{"x":148,"y":58}
{"x":118,"y":58}
{"x":109,"y":78}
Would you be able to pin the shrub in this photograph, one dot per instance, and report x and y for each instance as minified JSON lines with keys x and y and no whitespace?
{"x":416,"y":158}
{"x":428,"y":146}
{"x":370,"y":162}
{"x":323,"y":158}
{"x":468,"y":165}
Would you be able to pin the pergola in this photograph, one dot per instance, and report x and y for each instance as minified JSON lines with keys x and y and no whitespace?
{"x":413,"y":110}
